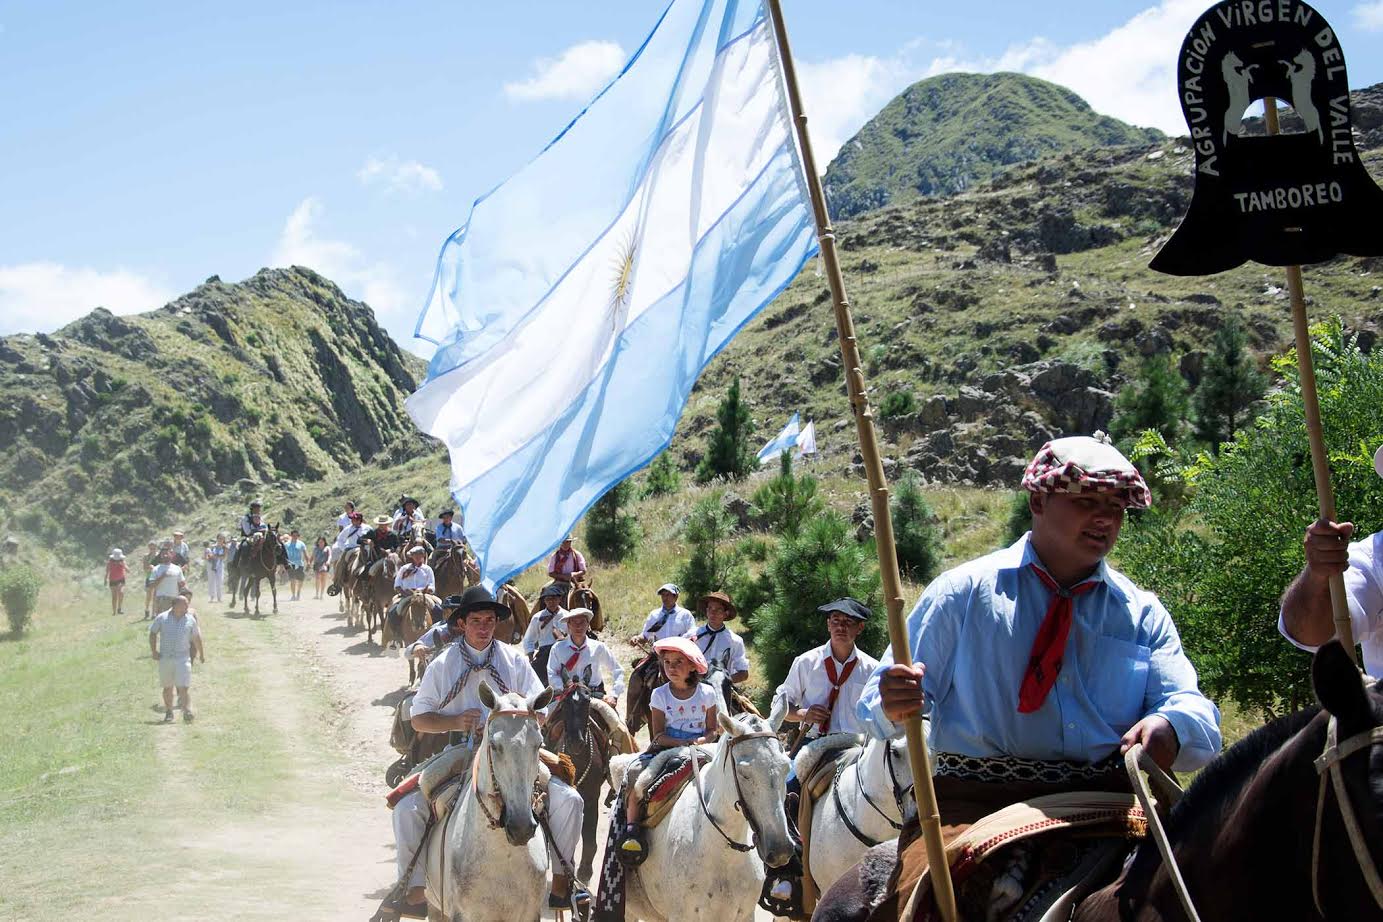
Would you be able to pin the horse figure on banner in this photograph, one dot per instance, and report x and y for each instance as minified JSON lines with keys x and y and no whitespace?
{"x":1239,"y":836}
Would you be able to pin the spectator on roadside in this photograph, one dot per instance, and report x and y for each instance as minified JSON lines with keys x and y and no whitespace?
{"x":115,"y":579}
{"x":296,"y":553}
{"x":321,"y":565}
{"x":173,"y":640}
{"x":217,"y":556}
{"x":182,"y":554}
{"x":167,"y":580}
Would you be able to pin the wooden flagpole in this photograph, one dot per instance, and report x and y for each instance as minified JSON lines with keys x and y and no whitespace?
{"x":918,"y":757}
{"x":1320,"y":462}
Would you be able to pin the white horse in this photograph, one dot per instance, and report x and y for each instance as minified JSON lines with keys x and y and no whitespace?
{"x":693,"y":873}
{"x":864,"y":807}
{"x":487,"y":864}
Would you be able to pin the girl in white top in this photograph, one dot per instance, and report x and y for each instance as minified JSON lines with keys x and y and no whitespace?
{"x":683,"y":714}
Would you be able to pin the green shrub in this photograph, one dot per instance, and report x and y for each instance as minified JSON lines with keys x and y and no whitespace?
{"x":1019,"y":516}
{"x":822,"y":563}
{"x":663,"y":477}
{"x":1230,"y":385}
{"x":611,"y":531}
{"x":711,"y":561}
{"x":898,"y":403}
{"x":730,"y":453}
{"x":787,"y":500}
{"x":19,"y":595}
{"x":916,"y":531}
{"x":1155,"y":399}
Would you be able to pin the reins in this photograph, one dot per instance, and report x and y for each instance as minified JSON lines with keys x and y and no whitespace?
{"x":496,"y":822}
{"x":1328,"y":766}
{"x":739,"y":792}
{"x":898,"y":796}
{"x":1136,"y":761}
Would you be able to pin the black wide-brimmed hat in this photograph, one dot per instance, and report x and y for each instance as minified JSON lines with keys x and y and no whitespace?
{"x":848,"y":606}
{"x":405,"y":500}
{"x":478,"y":598}
{"x":723,"y":599}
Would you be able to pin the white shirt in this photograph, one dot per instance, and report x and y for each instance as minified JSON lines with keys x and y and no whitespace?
{"x":168,"y":579}
{"x":592,"y":653}
{"x":444,"y":671}
{"x":1364,"y":587}
{"x":438,"y":635}
{"x":248,"y":528}
{"x":542,"y":629}
{"x":808,"y":685}
{"x":686,"y":718}
{"x":343,"y":520}
{"x":175,"y":634}
{"x":349,"y":537}
{"x":678,"y":624}
{"x":724,"y":647}
{"x":406,"y":523}
{"x":419,"y":577}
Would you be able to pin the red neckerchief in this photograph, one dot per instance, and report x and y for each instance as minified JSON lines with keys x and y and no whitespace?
{"x":836,"y":683}
{"x":1049,"y":646}
{"x":570,"y":664}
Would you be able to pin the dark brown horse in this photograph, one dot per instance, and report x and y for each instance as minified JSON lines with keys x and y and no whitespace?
{"x":376,"y":592}
{"x":1243,"y":835}
{"x":448,"y":564}
{"x":257,"y":560}
{"x":590,"y":732}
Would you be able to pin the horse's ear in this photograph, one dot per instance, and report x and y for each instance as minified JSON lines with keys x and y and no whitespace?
{"x":586,"y":676}
{"x":1338,"y":684}
{"x":727,"y":725}
{"x":564,"y":676}
{"x":540,"y":700}
{"x":487,"y":695}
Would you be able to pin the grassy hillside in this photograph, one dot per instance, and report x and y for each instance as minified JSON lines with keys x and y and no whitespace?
{"x":128,"y":421}
{"x":949,"y":133}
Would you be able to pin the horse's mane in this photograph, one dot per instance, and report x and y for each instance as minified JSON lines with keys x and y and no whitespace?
{"x":1217,"y":786}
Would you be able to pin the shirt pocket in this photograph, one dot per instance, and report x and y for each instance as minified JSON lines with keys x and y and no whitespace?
{"x":1119,"y":680}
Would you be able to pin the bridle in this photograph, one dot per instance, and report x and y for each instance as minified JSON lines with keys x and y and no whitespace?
{"x":899,"y":795}
{"x":739,"y":791}
{"x":497,"y":822}
{"x":1328,"y":766}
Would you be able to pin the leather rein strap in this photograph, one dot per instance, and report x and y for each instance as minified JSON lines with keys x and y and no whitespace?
{"x":495,"y":821}
{"x":1136,"y":761}
{"x":1328,"y":766}
{"x":739,"y":794}
{"x":898,"y":796}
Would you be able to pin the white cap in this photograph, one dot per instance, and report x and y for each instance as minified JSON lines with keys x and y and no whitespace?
{"x":566,"y":616}
{"x":669,"y":587}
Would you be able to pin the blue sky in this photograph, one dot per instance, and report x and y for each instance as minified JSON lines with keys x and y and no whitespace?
{"x":145,"y":146}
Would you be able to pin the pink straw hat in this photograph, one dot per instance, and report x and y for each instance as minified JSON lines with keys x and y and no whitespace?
{"x":685,"y":647}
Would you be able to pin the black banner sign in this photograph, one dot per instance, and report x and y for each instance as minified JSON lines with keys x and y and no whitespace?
{"x":1281,"y":200}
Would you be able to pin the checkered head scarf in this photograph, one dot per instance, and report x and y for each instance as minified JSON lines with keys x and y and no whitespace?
{"x":1085,"y":464}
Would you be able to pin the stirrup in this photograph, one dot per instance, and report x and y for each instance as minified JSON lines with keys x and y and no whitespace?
{"x":632,"y":857}
{"x":791,"y":874}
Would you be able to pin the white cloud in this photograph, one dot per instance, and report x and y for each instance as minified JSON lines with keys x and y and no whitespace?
{"x":1369,"y":16}
{"x":577,"y":73}
{"x":42,"y":296}
{"x":399,"y":175}
{"x":372,"y":281}
{"x":841,"y":94}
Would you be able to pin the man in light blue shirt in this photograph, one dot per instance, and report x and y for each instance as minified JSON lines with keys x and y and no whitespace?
{"x":1041,"y":652}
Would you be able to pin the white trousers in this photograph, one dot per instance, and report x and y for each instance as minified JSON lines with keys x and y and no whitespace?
{"x":215,"y":579}
{"x":564,"y":809}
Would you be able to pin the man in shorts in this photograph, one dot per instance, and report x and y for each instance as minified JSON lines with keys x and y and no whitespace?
{"x":296,"y":552}
{"x":173,"y":640}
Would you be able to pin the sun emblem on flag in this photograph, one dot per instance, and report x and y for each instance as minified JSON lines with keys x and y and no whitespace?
{"x":623,"y":282}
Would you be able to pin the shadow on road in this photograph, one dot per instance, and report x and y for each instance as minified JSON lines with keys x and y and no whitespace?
{"x":393,"y":698}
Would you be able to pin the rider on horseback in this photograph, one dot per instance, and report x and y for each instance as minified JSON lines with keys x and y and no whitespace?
{"x":567,"y":566}
{"x":717,"y":642}
{"x":542,"y":631}
{"x":668,"y":620}
{"x":252,"y":521}
{"x":448,"y":701}
{"x":407,"y":515}
{"x":414,"y":577}
{"x":447,"y":530}
{"x":578,"y":651}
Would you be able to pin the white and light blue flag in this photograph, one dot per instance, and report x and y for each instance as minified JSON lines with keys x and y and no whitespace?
{"x":783,"y":441}
{"x":574,"y":310}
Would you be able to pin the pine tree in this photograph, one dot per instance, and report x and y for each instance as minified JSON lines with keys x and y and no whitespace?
{"x":1155,"y":399}
{"x":916,"y":531}
{"x":787,"y":500}
{"x":663,"y":477}
{"x":712,"y":563}
{"x":1230,"y":385}
{"x":730,"y":453}
{"x":611,"y":532}
{"x":822,"y":563}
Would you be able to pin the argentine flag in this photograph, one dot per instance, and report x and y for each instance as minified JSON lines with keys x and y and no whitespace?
{"x":783,"y":441}
{"x":575,"y":308}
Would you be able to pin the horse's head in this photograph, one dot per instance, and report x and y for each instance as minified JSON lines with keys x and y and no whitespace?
{"x":1350,"y":862}
{"x":510,"y":767}
{"x":754,"y":756}
{"x":576,"y":702}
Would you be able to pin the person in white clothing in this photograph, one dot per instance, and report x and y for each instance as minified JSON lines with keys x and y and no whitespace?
{"x":668,"y":620}
{"x":167,"y":580}
{"x":578,"y":652}
{"x":717,"y":642}
{"x":173,"y":640}
{"x":824,"y":684}
{"x":544,"y":628}
{"x":349,"y":536}
{"x":415,"y":574}
{"x":343,"y":521}
{"x":407,"y":516}
{"x":448,"y":701}
{"x":1306,"y":618}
